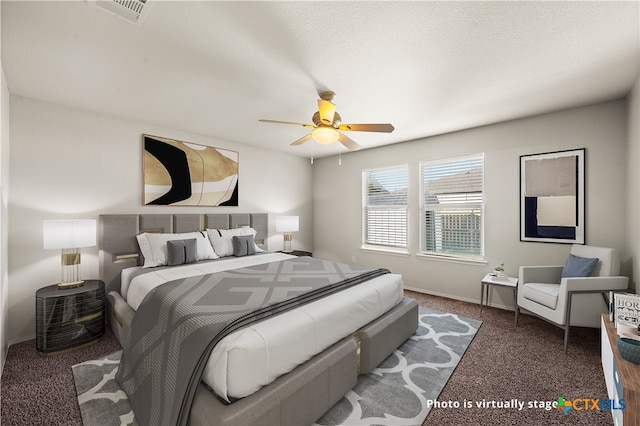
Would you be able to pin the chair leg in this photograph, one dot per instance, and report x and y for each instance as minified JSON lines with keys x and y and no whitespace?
{"x":515,"y":303}
{"x":567,"y":321}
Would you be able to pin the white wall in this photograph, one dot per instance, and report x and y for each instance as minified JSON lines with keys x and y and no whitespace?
{"x":4,"y":218}
{"x":72,"y":163}
{"x":601,"y":129}
{"x":633,"y":184}
{"x":77,"y":164}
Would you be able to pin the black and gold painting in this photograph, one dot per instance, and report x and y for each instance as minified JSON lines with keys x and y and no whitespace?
{"x":186,"y":174}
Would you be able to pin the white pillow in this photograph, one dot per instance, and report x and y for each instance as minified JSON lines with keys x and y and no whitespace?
{"x":154,"y":247}
{"x":222,"y":239}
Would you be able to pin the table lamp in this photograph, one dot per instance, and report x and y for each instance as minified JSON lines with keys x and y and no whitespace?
{"x":287,"y":224}
{"x":69,"y":236}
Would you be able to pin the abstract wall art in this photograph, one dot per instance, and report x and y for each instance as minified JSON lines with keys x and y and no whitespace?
{"x":186,"y":174}
{"x":552,"y":197}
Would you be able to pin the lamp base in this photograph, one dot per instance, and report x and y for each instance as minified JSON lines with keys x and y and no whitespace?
{"x":288,"y":237}
{"x":70,"y":284}
{"x":70,"y":269}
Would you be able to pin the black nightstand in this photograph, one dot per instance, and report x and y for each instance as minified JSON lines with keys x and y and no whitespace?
{"x":297,"y":252}
{"x":68,"y":318}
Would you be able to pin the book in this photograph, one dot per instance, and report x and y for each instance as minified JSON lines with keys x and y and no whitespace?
{"x":630,"y":336}
{"x":626,"y":310}
{"x":500,"y":277}
{"x":627,"y":329}
{"x":611,"y":306}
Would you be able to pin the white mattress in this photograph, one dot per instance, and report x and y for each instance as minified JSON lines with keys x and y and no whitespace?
{"x":255,"y":356}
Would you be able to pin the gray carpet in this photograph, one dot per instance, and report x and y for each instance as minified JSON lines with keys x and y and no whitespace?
{"x":396,"y":393}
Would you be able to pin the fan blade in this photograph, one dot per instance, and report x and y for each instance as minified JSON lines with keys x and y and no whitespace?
{"x":348,"y":142}
{"x":311,"y":126}
{"x":302,"y":140}
{"x":327,"y":110}
{"x":384,"y":128}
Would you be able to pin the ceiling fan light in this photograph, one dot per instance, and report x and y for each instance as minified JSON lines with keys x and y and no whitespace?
{"x":325,"y":135}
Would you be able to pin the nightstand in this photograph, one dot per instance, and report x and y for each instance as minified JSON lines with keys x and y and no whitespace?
{"x":68,"y":318}
{"x":297,"y":253}
{"x":490,"y":279}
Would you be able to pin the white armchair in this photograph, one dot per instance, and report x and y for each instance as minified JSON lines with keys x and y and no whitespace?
{"x":542,"y":292}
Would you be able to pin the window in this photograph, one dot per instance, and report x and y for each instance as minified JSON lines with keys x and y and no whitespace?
{"x":384,"y":207}
{"x":451,"y":207}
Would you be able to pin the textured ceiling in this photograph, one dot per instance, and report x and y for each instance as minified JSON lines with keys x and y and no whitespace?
{"x":215,"y":68}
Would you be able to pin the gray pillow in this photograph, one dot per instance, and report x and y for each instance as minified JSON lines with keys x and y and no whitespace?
{"x":577,"y":266}
{"x":182,"y":251}
{"x":243,"y":245}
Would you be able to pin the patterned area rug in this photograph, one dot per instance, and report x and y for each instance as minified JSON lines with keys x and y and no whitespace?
{"x":398,"y":392}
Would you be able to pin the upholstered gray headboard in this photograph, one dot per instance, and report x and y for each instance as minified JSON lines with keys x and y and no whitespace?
{"x":118,"y":248}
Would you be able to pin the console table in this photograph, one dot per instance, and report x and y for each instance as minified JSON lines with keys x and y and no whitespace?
{"x":622,"y":377}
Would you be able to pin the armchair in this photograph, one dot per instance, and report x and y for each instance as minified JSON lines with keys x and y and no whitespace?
{"x":543,"y":291}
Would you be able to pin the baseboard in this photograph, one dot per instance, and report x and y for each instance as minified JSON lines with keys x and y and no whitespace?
{"x":4,"y":359}
{"x":20,"y":340}
{"x":462,"y":299}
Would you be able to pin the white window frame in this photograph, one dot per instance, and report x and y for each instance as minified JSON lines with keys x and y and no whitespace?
{"x":386,"y":240}
{"x":471,"y":201}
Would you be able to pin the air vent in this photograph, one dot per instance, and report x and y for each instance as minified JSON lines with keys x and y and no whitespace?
{"x":134,"y":11}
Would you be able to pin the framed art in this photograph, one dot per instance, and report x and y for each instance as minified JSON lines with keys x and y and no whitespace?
{"x":552,"y":192}
{"x":186,"y":174}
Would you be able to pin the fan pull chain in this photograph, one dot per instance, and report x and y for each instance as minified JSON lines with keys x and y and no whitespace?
{"x":340,"y":158}
{"x":311,"y":160}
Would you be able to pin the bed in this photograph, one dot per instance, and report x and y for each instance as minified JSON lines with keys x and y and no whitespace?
{"x":295,"y":391}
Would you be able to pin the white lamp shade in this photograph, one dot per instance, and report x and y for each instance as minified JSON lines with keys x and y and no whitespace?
{"x":64,"y":234}
{"x":287,"y":224}
{"x":325,"y":135}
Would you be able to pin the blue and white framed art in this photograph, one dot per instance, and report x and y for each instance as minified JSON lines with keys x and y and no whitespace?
{"x":552,"y":192}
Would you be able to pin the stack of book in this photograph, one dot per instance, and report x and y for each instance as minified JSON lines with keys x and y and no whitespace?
{"x":626,"y":314}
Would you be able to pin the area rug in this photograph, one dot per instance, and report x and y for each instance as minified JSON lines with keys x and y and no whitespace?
{"x":400,"y":391}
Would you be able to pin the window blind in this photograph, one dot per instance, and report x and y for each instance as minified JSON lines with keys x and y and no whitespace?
{"x":452,"y":205}
{"x":384,"y":201}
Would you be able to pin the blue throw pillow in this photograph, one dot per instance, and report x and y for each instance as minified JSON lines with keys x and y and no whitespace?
{"x":577,"y":266}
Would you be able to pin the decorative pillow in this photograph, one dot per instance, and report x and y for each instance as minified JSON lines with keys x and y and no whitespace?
{"x":221,"y":239}
{"x":182,"y":251}
{"x":154,"y":247}
{"x":577,"y":266}
{"x":243,"y":245}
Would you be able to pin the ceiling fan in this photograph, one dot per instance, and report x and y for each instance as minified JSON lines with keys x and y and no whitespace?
{"x":327,"y":125}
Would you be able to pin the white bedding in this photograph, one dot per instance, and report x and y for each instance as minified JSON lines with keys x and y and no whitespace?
{"x":255,"y":356}
{"x":134,"y":290}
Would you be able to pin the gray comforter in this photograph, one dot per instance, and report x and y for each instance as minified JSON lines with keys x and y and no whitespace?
{"x":178,"y":324}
